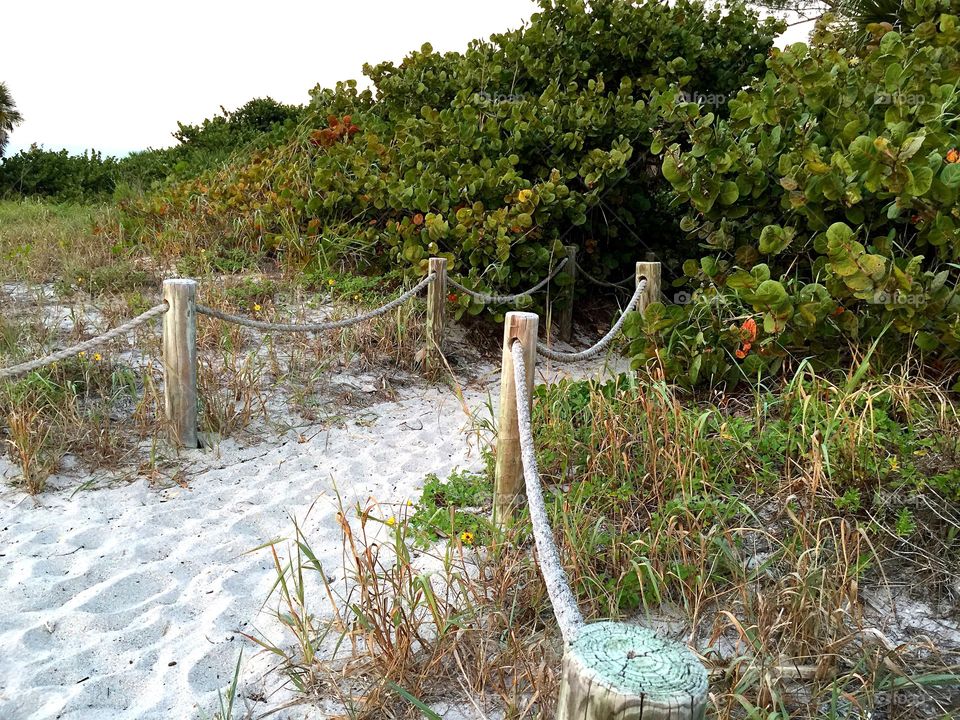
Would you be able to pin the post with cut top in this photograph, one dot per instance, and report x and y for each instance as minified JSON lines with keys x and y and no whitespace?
{"x":621,"y":671}
{"x":508,"y":489}
{"x":436,"y":314}
{"x":180,"y":361}
{"x":649,"y":271}
{"x":566,"y":312}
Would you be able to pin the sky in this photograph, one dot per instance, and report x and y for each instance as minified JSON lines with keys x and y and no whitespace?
{"x":118,"y":75}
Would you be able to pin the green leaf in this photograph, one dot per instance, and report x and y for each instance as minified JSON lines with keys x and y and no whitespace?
{"x":729,"y":193}
{"x":950,"y":175}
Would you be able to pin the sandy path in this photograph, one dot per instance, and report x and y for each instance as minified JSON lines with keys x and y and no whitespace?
{"x":126,"y":602}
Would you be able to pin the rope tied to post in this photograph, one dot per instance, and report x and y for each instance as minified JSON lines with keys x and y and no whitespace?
{"x":316,"y":327}
{"x":602,"y":343}
{"x":565,"y":607}
{"x":504,"y":299}
{"x":86,"y":345}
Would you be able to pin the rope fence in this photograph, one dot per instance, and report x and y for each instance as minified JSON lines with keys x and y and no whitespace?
{"x":610,"y":670}
{"x":316,"y":327}
{"x":602,"y":343}
{"x":180,"y":309}
{"x":506,"y":299}
{"x":85,"y":346}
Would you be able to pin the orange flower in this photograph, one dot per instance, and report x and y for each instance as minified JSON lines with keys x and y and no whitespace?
{"x":452,"y":297}
{"x":838,"y":311}
{"x":953,"y":155}
{"x":749,"y":331}
{"x":742,"y":353}
{"x":418,"y":219}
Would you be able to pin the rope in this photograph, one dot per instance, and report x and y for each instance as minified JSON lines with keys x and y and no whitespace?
{"x":504,"y":299}
{"x":565,"y":607}
{"x":84,"y":346}
{"x":316,"y":327}
{"x":602,"y":342}
{"x":622,"y":285}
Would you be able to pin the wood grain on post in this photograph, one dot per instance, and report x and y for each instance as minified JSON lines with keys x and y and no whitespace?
{"x":180,"y":361}
{"x":650,"y":271}
{"x":566,"y":312}
{"x":436,"y":313}
{"x":616,"y":671}
{"x":508,"y":490}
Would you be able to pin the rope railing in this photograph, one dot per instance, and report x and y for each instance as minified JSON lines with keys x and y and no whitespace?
{"x":505,"y":299}
{"x":85,"y":346}
{"x":602,"y":343}
{"x":609,"y":669}
{"x":316,"y":327}
{"x":565,"y":607}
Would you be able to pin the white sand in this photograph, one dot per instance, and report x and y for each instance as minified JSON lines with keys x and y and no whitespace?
{"x":127,"y":602}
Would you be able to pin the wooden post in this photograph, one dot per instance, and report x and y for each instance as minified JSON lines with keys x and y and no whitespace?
{"x":436,"y":314}
{"x":180,"y":361}
{"x":616,"y":671}
{"x":508,"y":489}
{"x":650,"y":271}
{"x":566,"y":312}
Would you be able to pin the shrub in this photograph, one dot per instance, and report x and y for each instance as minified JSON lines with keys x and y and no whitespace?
{"x":828,"y":202}
{"x":493,"y":158}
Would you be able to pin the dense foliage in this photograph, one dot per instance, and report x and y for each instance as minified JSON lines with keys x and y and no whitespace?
{"x":828,"y":200}
{"x":494,"y":157}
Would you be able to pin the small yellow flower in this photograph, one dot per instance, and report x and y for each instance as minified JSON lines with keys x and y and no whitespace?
{"x":524,"y":195}
{"x":409,"y":503}
{"x":79,"y":281}
{"x":97,"y":357}
{"x":82,"y":354}
{"x":391,"y":521}
{"x":331,"y":282}
{"x":256,"y":307}
{"x":466,"y":537}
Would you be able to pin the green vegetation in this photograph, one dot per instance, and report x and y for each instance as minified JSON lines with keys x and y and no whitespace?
{"x":828,"y":199}
{"x":91,"y":177}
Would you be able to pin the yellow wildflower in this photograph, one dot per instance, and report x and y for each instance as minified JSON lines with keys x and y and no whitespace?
{"x":97,"y":357}
{"x":391,"y":521}
{"x":256,"y":307}
{"x":331,"y":282}
{"x":82,"y":354}
{"x":466,"y":537}
{"x":524,"y":195}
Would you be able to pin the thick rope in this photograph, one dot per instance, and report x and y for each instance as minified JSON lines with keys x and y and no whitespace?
{"x":565,"y":607}
{"x":75,"y":350}
{"x":504,"y":299}
{"x":316,"y":327}
{"x":602,"y":342}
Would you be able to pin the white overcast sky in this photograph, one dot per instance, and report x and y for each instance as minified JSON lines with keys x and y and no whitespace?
{"x":118,"y":75}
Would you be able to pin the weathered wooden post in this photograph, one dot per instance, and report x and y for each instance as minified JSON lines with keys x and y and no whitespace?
{"x":566,"y":312}
{"x":436,"y":313}
{"x":508,"y":489}
{"x":651,"y":272}
{"x":616,"y":671}
{"x":180,"y":361}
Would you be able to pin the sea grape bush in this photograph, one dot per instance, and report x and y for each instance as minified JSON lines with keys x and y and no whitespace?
{"x":494,"y":158}
{"x":827,"y":198}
